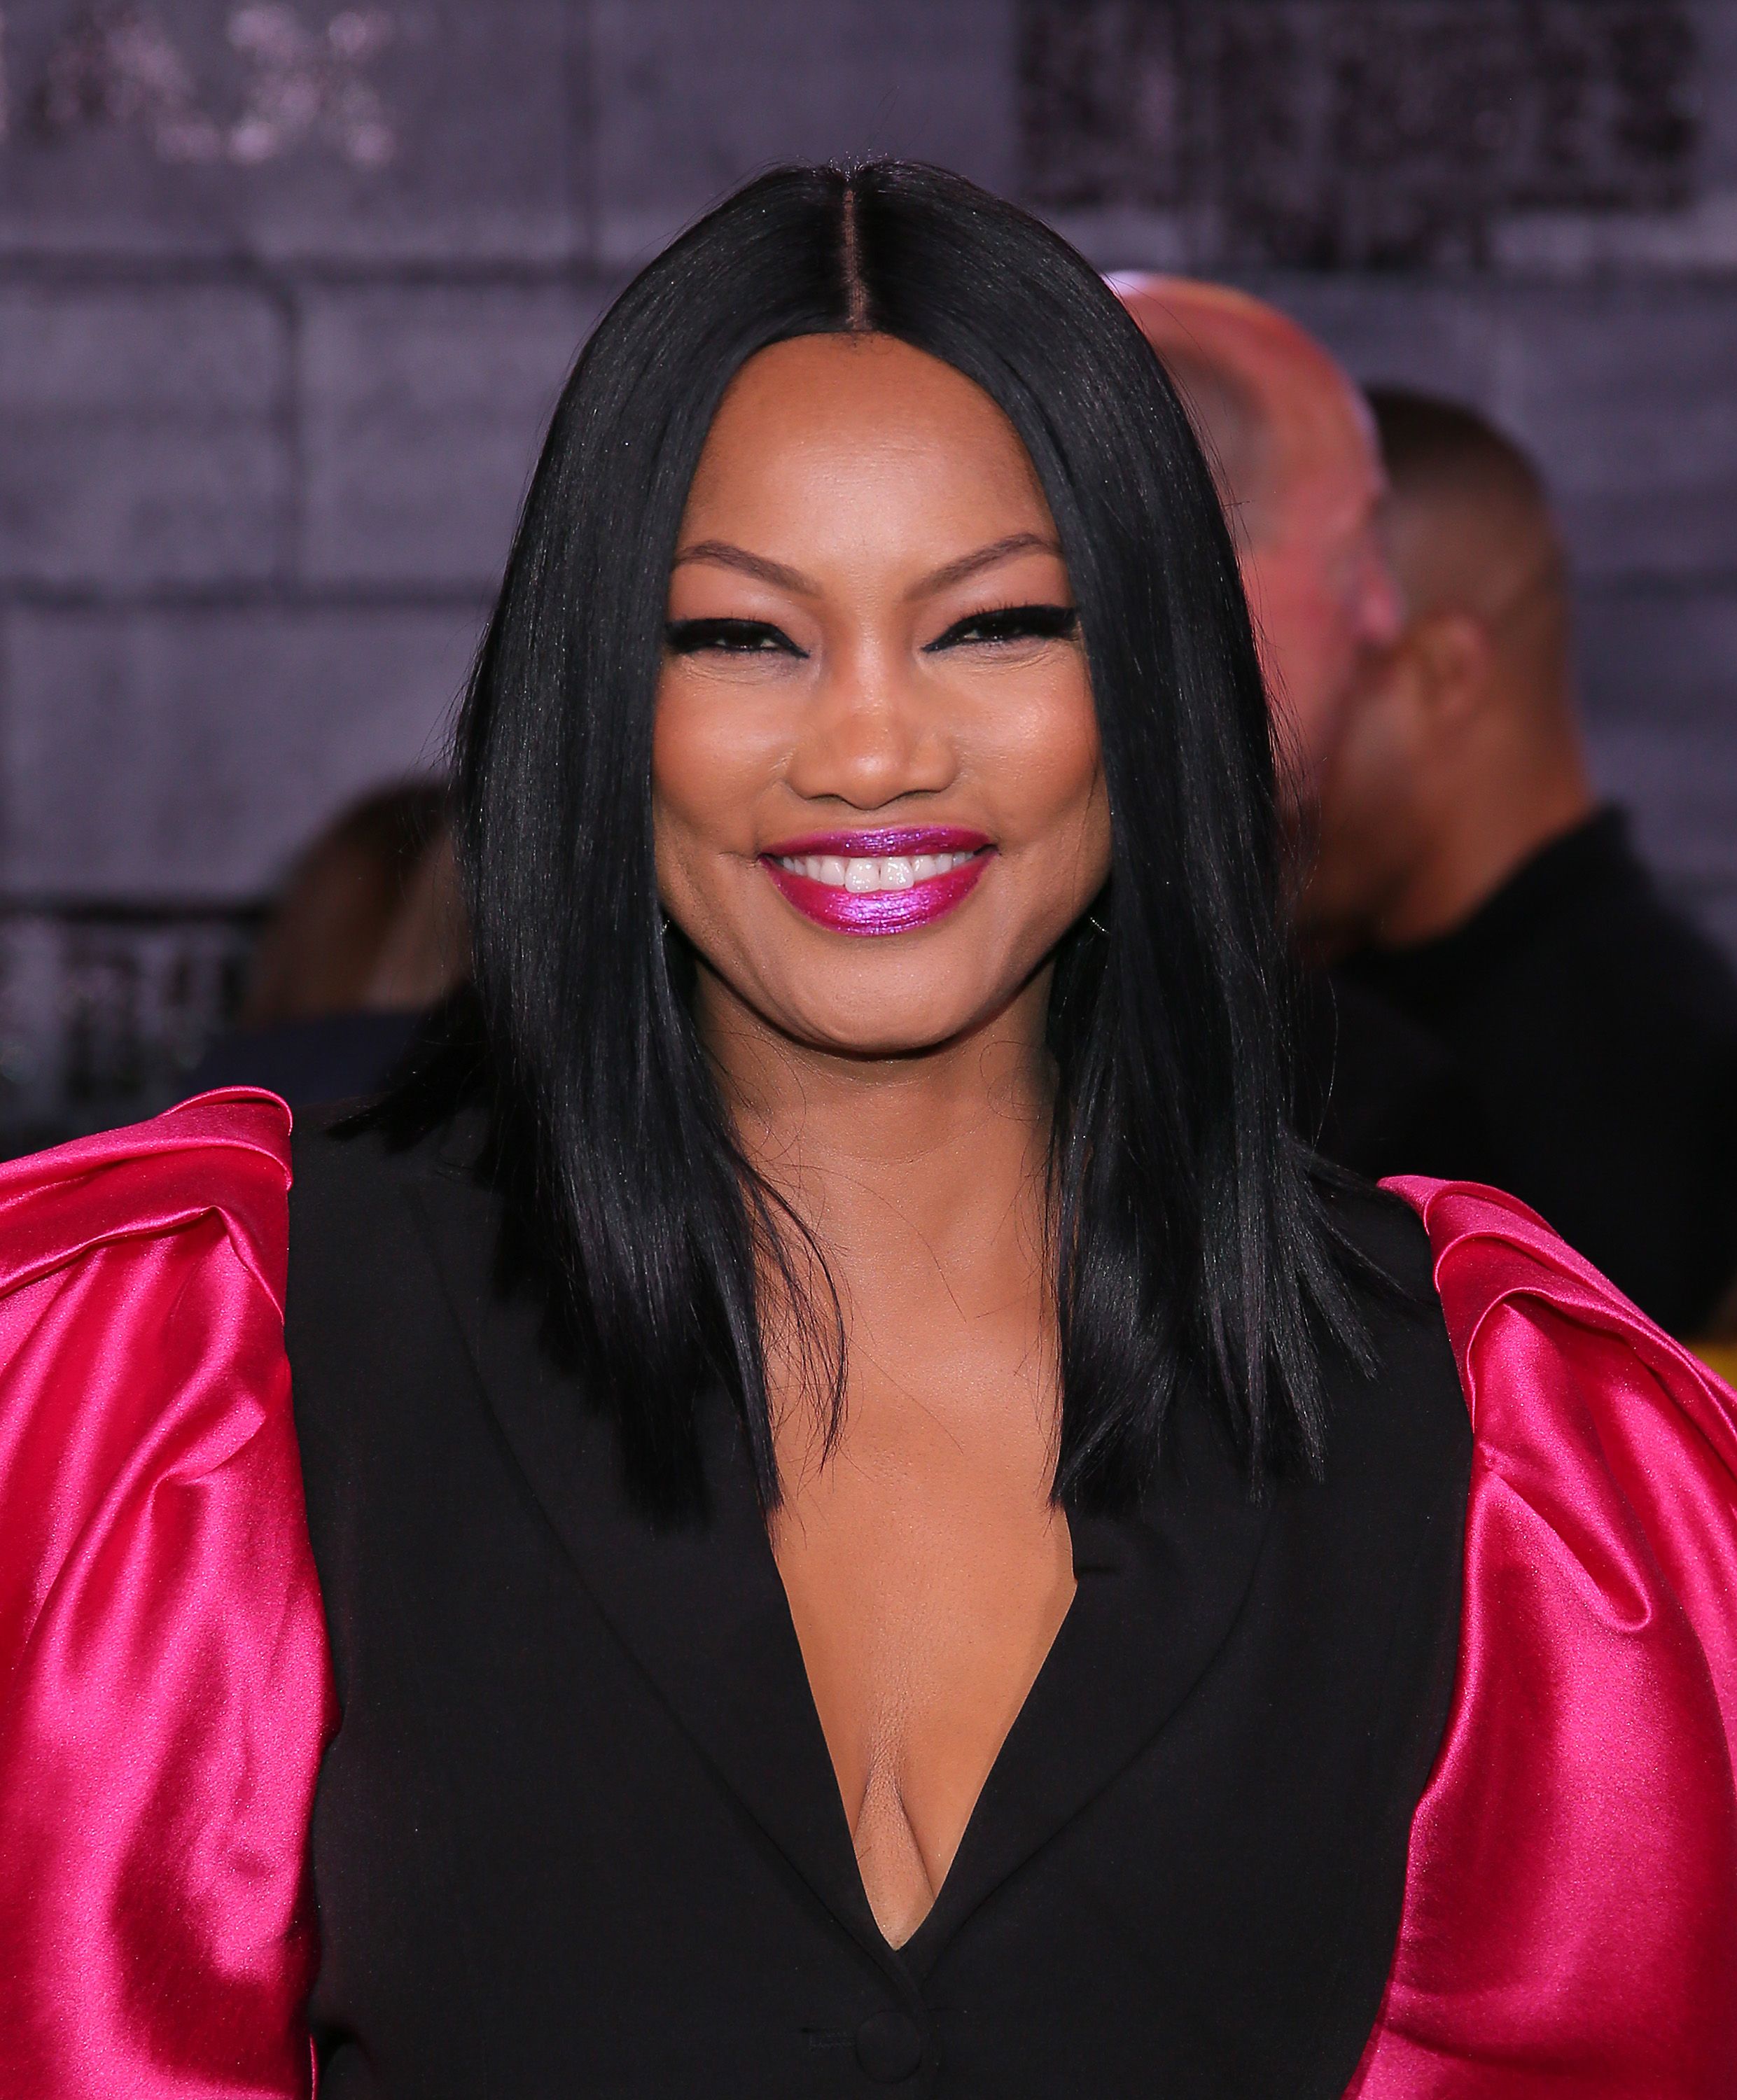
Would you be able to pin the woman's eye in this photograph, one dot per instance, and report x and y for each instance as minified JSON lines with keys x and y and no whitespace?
{"x":729,"y":637}
{"x":1009,"y":622}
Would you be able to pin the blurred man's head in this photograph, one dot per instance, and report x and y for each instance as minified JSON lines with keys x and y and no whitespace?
{"x":1461,"y":755}
{"x":1294,"y":455}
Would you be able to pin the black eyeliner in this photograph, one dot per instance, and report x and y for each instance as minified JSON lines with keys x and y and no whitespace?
{"x":1012,"y":623}
{"x":685,"y":638}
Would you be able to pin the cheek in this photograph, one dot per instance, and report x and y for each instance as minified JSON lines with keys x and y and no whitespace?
{"x":1047,"y":762}
{"x":1372,"y":772}
{"x":712,"y":753}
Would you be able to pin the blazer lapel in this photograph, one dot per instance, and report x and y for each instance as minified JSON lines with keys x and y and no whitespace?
{"x":1158,"y":1595}
{"x":701,"y":1607}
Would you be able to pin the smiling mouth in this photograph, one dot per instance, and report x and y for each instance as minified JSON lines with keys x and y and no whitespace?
{"x":863,"y":877}
{"x":879,"y":882}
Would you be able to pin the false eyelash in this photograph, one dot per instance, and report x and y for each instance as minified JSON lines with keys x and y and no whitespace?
{"x":1012,"y":622}
{"x":685,"y":638}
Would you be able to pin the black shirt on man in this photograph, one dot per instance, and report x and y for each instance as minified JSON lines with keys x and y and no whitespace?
{"x":1596,"y":1028}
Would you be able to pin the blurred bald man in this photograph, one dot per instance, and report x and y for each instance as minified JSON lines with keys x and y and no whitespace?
{"x":1466,"y":878}
{"x":1293,"y":450}
{"x":1463,"y":757}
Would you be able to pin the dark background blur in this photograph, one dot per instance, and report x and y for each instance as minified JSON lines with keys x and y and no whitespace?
{"x":286,"y":292}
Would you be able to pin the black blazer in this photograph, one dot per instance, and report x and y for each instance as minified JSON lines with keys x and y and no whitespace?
{"x":579,"y":1834}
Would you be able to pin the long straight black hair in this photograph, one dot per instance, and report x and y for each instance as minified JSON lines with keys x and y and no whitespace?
{"x":1192,"y":1263}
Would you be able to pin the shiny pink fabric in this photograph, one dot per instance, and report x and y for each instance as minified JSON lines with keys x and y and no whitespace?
{"x":165,"y":1693}
{"x":1570,"y":1924}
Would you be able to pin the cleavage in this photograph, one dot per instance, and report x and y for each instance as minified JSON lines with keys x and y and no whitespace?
{"x":925,"y":1608}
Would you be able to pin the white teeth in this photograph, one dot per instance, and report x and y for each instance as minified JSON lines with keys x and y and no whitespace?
{"x":897,"y":872}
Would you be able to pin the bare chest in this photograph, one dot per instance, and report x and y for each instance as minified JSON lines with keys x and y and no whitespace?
{"x":927,"y":1576}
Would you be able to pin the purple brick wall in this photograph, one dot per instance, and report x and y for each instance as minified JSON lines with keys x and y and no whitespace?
{"x":286,"y":292}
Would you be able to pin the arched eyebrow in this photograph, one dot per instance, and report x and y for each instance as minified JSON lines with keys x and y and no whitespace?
{"x":725,"y":556}
{"x":986,"y":557}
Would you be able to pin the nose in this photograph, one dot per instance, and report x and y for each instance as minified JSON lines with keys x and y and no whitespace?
{"x":868,"y":736}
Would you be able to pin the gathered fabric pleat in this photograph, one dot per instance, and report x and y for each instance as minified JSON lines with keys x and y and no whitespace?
{"x":165,"y":1687}
{"x":1570,"y":1922}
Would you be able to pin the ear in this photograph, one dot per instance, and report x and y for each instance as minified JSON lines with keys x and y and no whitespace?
{"x":1456,"y":665}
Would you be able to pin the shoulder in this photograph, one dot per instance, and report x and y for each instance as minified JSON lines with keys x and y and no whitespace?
{"x":387,"y":1243}
{"x":1494,"y":1259}
{"x":1578,"y":1402}
{"x":1385,"y":1234}
{"x":222,"y":1156}
{"x":141,"y":1310}
{"x":1569,"y":1381}
{"x":360,"y":1209}
{"x":141,"y":1335}
{"x":157,"y":1250}
{"x":1403,"y":1408}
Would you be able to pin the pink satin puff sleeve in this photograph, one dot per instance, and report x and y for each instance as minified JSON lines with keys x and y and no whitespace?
{"x":1570,"y":1923}
{"x":164,"y":1688}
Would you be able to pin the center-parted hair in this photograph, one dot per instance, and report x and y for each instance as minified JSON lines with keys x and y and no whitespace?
{"x":1191,"y":1263}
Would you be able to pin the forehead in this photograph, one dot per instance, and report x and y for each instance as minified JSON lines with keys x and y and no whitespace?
{"x":827,"y":411}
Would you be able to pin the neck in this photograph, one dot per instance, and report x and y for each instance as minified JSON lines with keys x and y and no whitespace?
{"x":1517,"y":801}
{"x":921,"y":1178}
{"x":946,"y":1144}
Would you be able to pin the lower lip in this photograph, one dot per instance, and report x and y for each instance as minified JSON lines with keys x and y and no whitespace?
{"x":878,"y":911}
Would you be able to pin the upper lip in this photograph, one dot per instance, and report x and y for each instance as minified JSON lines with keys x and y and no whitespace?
{"x":892,"y":840}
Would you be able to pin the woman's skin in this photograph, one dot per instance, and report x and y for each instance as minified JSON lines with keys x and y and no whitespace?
{"x":868,"y":520}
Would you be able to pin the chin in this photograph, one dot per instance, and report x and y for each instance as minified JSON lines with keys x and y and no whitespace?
{"x":882,"y":1012}
{"x":905,"y":1032}
{"x":891,"y":997}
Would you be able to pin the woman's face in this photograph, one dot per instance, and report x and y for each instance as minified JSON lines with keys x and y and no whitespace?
{"x":877,"y":796}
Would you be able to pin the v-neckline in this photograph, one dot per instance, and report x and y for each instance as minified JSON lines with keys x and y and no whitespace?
{"x":1112,"y":1660}
{"x":703,"y":1610}
{"x":1137,"y":1635}
{"x":899,"y":1949}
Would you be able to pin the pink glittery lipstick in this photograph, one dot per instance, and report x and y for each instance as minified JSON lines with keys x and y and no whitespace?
{"x":885,"y":881}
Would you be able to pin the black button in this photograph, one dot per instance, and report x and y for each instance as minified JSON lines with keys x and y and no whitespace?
{"x":889,"y":2047}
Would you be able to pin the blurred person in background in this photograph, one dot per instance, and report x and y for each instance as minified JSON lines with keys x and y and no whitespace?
{"x":1467,"y":876}
{"x":1294,"y":457}
{"x":1293,"y":452}
{"x":365,"y":942}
